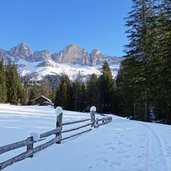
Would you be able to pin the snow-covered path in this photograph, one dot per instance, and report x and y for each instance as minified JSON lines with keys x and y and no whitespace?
{"x":155,"y":153}
{"x":121,"y":145}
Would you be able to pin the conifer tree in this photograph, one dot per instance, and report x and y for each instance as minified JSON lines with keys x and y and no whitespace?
{"x":3,"y":90}
{"x":144,"y":77}
{"x":77,"y":93}
{"x":139,"y":50}
{"x":93,"y":91}
{"x":163,"y":71}
{"x":13,"y":84}
{"x":63,"y":93}
{"x":34,"y":91}
{"x":106,"y":88}
{"x":25,"y":93}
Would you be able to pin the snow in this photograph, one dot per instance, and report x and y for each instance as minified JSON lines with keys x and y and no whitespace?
{"x":122,"y":145}
{"x":35,"y":136}
{"x":93,"y":109}
{"x":59,"y":110}
{"x":72,"y":70}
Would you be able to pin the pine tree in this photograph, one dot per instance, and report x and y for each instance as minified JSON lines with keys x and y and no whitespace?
{"x":144,"y":77}
{"x":34,"y":91}
{"x":163,"y":79}
{"x":63,"y":93}
{"x":3,"y":90}
{"x":106,"y":87}
{"x":13,"y":84}
{"x":45,"y":88}
{"x":93,"y":91}
{"x":78,"y":92}
{"x":140,"y":23}
{"x":83,"y":97}
{"x":25,"y":93}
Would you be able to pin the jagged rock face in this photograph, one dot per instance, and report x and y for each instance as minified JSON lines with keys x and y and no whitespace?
{"x":40,"y":55}
{"x":72,"y":54}
{"x":4,"y":56}
{"x":96,"y":57}
{"x":21,"y":50}
{"x":44,"y":63}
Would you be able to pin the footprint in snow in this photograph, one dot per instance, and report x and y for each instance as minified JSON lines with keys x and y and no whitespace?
{"x":108,"y":144}
{"x":115,"y":164}
{"x":112,"y":148}
{"x":128,"y":145}
{"x":140,"y":156}
{"x":122,"y":151}
{"x":121,"y":143}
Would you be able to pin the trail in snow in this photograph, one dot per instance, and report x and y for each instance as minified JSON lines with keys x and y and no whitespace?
{"x":152,"y":148}
{"x":156,"y":158}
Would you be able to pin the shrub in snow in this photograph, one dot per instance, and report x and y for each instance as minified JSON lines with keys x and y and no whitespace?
{"x":93,"y":109}
{"x":35,"y":136}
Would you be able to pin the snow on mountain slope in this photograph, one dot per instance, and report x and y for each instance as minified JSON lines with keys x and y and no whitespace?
{"x":120,"y":145}
{"x":72,"y":60}
{"x":57,"y":69}
{"x":40,"y":69}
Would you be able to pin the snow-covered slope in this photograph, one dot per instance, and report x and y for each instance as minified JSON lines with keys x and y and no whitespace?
{"x":120,"y":145}
{"x":70,"y":61}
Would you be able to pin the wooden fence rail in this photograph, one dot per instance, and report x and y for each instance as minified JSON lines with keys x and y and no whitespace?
{"x":74,"y":122}
{"x":27,"y":141}
{"x":74,"y":129}
{"x":58,"y":132}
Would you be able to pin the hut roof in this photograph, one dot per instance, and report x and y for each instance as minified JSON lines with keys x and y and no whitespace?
{"x":41,"y":97}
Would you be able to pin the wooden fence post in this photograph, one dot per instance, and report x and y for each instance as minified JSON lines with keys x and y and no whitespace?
{"x":30,"y":145}
{"x":96,"y":124}
{"x":92,"y":115}
{"x":59,"y":113}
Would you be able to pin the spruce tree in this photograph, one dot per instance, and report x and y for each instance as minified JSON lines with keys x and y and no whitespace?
{"x":25,"y":93}
{"x":3,"y":89}
{"x":164,"y":59}
{"x":93,"y":91}
{"x":139,"y":51}
{"x":13,"y":84}
{"x":78,"y":90}
{"x":106,"y":87}
{"x":63,"y":93}
{"x":144,"y":77}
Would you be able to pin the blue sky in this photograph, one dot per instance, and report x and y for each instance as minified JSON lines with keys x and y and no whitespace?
{"x":54,"y":24}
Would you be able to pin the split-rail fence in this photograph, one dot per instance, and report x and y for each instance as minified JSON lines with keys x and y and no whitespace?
{"x":34,"y":138}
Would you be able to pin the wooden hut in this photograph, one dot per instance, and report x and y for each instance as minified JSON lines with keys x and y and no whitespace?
{"x":40,"y":100}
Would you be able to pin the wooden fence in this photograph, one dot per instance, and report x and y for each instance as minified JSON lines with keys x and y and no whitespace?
{"x":34,"y":138}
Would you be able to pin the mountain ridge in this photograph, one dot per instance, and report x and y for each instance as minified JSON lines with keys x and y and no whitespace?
{"x":70,"y":61}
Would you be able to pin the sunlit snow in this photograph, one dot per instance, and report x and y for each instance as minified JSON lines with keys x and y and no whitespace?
{"x":123,"y":144}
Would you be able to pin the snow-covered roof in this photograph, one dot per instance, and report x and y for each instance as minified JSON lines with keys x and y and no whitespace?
{"x":40,"y":97}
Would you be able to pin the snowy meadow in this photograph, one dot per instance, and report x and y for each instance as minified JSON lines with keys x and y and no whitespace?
{"x":123,"y":144}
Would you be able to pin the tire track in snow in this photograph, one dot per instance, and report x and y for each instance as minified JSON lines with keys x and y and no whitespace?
{"x":156,"y":157}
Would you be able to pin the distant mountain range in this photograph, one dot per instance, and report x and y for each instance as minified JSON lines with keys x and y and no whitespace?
{"x":70,"y":61}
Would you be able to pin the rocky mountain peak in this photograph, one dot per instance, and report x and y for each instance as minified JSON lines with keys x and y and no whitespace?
{"x":40,"y":55}
{"x":72,"y":54}
{"x":95,"y":52}
{"x":71,"y":46}
{"x":21,"y":50}
{"x":96,"y":57}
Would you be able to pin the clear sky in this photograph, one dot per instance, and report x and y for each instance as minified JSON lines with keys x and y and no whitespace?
{"x":54,"y":24}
